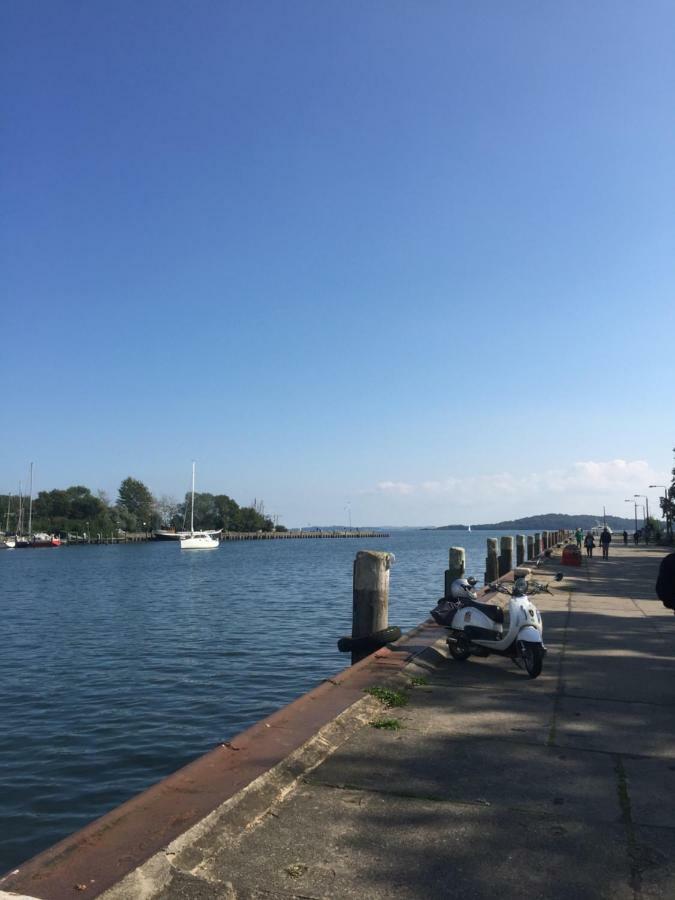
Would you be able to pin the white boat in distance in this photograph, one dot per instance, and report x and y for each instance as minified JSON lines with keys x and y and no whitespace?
{"x":198,"y":540}
{"x":166,"y":535}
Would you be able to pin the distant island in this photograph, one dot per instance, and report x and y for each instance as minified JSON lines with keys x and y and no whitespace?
{"x":546,"y":522}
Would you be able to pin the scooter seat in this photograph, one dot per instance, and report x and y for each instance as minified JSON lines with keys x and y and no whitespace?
{"x":494,"y":613}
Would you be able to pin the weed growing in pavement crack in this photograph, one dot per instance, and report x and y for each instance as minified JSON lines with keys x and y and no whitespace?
{"x":387,"y":696}
{"x":387,"y":724}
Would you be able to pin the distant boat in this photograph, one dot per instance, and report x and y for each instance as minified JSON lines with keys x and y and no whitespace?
{"x":165,"y":535}
{"x":469,"y":528}
{"x":40,"y":539}
{"x":198,"y":540}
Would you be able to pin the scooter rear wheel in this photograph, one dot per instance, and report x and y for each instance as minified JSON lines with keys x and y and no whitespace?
{"x":533,"y":657}
{"x":459,"y":650}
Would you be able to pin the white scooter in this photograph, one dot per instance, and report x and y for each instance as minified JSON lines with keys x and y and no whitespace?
{"x":478,"y":628}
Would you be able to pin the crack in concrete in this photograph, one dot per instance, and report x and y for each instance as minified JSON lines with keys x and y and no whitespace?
{"x":560,"y":690}
{"x":635,"y":877}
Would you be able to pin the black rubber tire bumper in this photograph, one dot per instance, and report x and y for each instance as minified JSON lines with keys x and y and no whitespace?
{"x":371,"y":642}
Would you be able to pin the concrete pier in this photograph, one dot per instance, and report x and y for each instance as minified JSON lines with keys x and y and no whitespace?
{"x":556,"y":788}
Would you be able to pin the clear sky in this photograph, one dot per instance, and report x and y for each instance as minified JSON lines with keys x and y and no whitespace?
{"x":415,"y":257}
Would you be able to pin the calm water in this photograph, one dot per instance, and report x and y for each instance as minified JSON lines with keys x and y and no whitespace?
{"x":119,"y":664}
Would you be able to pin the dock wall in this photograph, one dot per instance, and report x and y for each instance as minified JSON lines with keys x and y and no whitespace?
{"x":248,"y":772}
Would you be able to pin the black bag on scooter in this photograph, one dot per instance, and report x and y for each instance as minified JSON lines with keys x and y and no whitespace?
{"x":444,"y":612}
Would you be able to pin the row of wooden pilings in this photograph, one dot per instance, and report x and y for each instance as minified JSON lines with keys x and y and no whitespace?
{"x":500,"y":558}
{"x":370,"y":607}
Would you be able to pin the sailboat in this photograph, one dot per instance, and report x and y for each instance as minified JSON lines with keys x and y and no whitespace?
{"x":198,"y":540}
{"x":39,"y":539}
{"x":8,"y":542}
{"x":23,"y":540}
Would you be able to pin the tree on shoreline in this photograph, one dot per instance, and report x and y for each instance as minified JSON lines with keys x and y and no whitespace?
{"x":667,"y":504}
{"x":76,"y":510}
{"x":136,"y":506}
{"x":220,"y":511}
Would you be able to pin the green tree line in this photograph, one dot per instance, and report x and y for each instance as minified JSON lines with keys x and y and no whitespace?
{"x":77,"y":510}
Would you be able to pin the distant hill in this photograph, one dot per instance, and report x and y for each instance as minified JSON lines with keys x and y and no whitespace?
{"x":549,"y":522}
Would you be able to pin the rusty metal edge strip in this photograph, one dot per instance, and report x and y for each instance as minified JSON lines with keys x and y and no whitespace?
{"x":99,"y":855}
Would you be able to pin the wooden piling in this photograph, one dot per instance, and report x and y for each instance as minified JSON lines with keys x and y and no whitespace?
{"x":370,"y":609}
{"x":456,"y":567}
{"x":537,"y":544}
{"x":520,"y":549}
{"x":530,"y":546}
{"x":491,"y":561}
{"x":505,"y":554}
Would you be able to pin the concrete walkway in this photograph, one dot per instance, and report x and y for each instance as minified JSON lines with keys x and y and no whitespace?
{"x":495,"y":785}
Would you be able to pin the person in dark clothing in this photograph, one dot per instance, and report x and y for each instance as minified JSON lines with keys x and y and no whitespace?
{"x":605,"y":541}
{"x":589,"y":543}
{"x":665,"y":583}
{"x":636,"y":537}
{"x":625,"y":537}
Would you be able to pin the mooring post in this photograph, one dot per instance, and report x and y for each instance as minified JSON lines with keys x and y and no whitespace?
{"x":370,"y":610}
{"x":544,"y":540}
{"x":491,"y":561}
{"x":520,"y":549}
{"x":537,"y":544}
{"x":530,"y":547}
{"x":505,"y":554}
{"x":456,"y":567}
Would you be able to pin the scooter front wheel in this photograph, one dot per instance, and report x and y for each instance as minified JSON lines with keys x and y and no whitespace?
{"x":459,"y":649}
{"x":532,"y":655}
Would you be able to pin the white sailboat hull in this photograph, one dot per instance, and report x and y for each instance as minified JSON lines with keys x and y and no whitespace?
{"x":199,"y":541}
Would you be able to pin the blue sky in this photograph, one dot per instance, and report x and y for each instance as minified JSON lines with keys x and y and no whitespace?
{"x":417,"y":257}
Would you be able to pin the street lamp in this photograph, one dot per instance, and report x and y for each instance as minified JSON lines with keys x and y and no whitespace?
{"x":634,"y":502}
{"x":646,"y":517}
{"x":665,"y":506}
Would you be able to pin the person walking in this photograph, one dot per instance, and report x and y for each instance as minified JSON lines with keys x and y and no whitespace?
{"x":605,"y":541}
{"x":589,"y":543}
{"x":579,"y":535}
{"x":625,"y":538}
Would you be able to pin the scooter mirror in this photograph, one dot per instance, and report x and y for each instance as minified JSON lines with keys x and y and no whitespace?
{"x":472,"y":581}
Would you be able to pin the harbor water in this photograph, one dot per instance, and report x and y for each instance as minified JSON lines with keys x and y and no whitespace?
{"x":121,"y":663}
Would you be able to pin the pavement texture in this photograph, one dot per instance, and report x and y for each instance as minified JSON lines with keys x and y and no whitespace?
{"x":494,"y":784}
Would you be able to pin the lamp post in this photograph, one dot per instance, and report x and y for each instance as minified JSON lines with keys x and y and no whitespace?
{"x":634,"y":502}
{"x":669,"y":526}
{"x":646,"y":518}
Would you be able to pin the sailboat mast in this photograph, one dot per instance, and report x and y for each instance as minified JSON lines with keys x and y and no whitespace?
{"x":192,"y":513}
{"x":30,"y":503}
{"x":19,"y":522}
{"x":9,"y":501}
